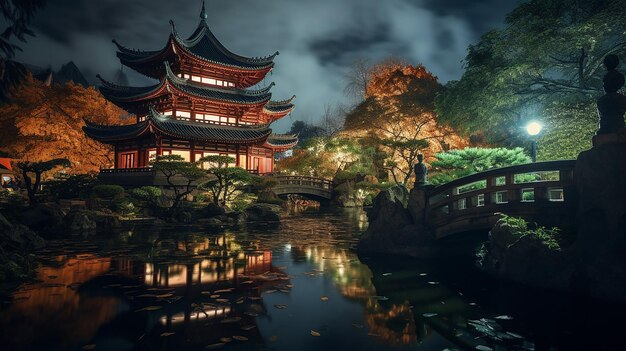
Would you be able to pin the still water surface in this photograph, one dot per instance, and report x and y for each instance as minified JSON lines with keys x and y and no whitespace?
{"x":299,"y":286}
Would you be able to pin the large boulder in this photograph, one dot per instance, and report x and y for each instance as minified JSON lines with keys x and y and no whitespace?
{"x":44,"y":218}
{"x":260,"y":212}
{"x":391,"y":229}
{"x":18,"y":236}
{"x":78,"y":220}
{"x":526,"y":259}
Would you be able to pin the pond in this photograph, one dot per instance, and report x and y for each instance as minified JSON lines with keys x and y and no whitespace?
{"x":297,"y":286}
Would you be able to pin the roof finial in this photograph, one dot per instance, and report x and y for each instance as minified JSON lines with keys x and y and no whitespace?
{"x":203,"y":15}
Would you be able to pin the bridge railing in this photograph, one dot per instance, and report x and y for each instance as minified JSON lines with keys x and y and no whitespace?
{"x":521,"y":188}
{"x":319,"y":183}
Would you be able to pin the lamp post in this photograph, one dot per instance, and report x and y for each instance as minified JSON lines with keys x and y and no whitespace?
{"x":533,"y":129}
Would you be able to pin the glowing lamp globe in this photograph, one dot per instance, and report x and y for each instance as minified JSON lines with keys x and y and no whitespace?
{"x":533,"y":128}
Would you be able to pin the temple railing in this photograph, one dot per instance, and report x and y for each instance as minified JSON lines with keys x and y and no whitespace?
{"x":528,"y":190}
{"x":126,"y":170}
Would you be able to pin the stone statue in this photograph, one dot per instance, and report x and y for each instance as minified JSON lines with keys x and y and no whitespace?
{"x":420,"y":170}
{"x":612,"y":105}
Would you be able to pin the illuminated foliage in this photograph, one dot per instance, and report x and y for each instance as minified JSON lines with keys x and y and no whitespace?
{"x":227,"y":180}
{"x":546,"y":64}
{"x":454,"y":164}
{"x":180,"y":175}
{"x":45,"y":122}
{"x":398,"y":119}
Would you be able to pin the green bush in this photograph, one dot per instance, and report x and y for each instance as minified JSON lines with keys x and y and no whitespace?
{"x":107,"y":192}
{"x":76,"y":186}
{"x":149,"y":194}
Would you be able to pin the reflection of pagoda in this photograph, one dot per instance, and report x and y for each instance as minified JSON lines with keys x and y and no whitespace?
{"x":201,"y":105}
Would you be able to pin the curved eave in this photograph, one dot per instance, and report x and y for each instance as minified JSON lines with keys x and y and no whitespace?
{"x":281,"y":142}
{"x":202,"y":41}
{"x":113,"y":134}
{"x":176,"y":85}
{"x":163,"y":125}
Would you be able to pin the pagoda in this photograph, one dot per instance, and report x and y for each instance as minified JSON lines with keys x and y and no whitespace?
{"x":202,"y":105}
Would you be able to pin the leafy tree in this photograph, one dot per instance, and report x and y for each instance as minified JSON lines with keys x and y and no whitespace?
{"x":454,"y":164}
{"x":306,"y":131}
{"x":546,"y":64}
{"x":17,"y":15}
{"x":40,"y":123}
{"x":38,"y":168}
{"x":227,"y":179}
{"x":180,"y":175}
{"x":398,"y":119}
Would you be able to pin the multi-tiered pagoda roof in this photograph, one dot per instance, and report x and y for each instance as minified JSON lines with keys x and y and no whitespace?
{"x":203,"y":103}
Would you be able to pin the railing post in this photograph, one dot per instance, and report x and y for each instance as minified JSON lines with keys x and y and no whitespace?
{"x":513,"y":195}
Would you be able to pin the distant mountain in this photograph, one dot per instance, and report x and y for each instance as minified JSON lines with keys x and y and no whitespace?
{"x":68,"y":72}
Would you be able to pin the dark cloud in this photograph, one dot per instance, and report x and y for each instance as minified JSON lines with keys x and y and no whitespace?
{"x":317,"y":40}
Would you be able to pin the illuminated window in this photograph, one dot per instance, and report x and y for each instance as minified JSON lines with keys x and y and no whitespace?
{"x":196,"y":79}
{"x":212,"y":81}
{"x":183,"y":114}
{"x":480,"y":200}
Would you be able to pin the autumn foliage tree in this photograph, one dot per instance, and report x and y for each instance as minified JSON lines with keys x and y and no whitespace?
{"x":398,"y":117}
{"x":43,"y":122}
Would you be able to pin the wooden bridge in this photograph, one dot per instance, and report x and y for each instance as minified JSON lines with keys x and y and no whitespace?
{"x":308,"y":186}
{"x":541,"y":192}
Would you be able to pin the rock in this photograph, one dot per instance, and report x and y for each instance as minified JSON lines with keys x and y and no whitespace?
{"x":212,"y":210}
{"x":526,"y":259}
{"x":346,"y":195}
{"x":44,"y":218}
{"x":105,"y":220}
{"x":212,"y":222}
{"x":260,"y":212}
{"x":391,"y":229}
{"x":268,"y":196}
{"x":18,"y":236}
{"x":416,"y":203}
{"x":80,"y":221}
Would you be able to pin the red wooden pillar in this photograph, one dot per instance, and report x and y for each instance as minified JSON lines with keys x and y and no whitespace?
{"x":116,"y":160}
{"x":159,"y":142}
{"x":237,"y":156}
{"x":192,"y":151}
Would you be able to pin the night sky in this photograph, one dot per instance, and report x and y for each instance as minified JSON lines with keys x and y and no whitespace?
{"x":317,"y":39}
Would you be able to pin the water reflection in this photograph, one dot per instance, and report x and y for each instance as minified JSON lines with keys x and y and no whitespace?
{"x":176,"y":289}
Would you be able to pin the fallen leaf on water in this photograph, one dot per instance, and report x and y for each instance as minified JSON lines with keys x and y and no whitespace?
{"x":231,"y":320}
{"x":226,"y":340}
{"x":167,"y":334}
{"x":248,"y":327}
{"x":214,"y":296}
{"x":280,"y":307}
{"x":324,"y":298}
{"x":503,"y":317}
{"x":315,"y":333}
{"x":240,"y":338}
{"x":89,"y":347}
{"x":149,"y":308}
{"x":214,"y":346}
{"x":224,"y":290}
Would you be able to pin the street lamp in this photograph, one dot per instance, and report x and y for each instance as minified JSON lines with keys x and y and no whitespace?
{"x":533,"y":129}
